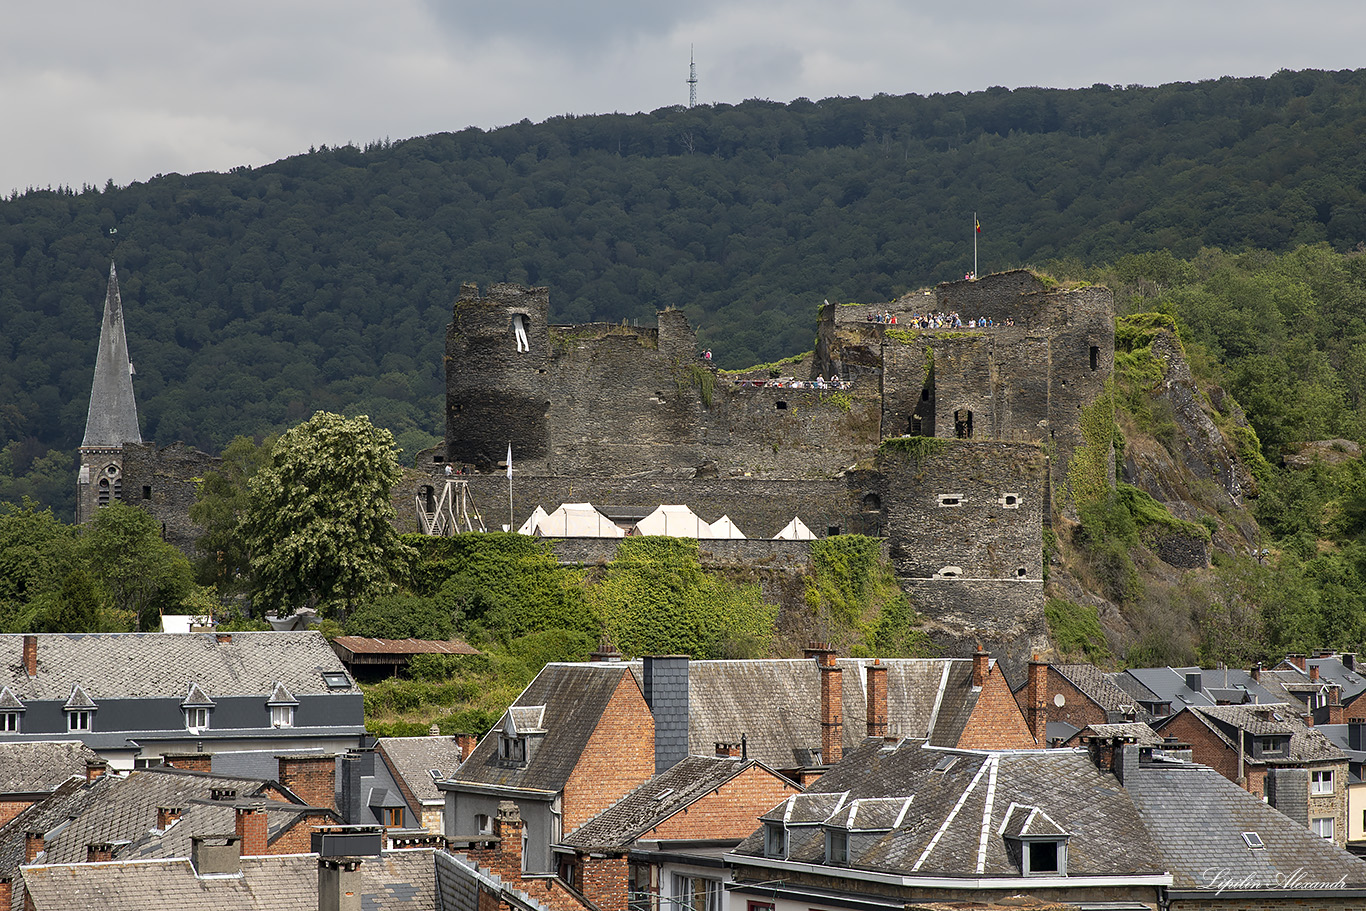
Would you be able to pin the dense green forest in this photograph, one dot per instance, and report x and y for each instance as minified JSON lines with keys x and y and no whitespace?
{"x":324,"y":281}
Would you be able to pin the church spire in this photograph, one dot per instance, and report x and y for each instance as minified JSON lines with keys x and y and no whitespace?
{"x":113,"y":416}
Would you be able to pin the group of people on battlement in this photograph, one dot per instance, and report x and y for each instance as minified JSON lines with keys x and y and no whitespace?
{"x":939,"y":320}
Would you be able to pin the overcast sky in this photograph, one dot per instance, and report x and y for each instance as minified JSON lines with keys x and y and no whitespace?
{"x":92,"y":90}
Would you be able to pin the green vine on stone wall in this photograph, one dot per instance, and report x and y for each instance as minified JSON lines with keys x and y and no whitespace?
{"x":1088,"y":473}
{"x":854,"y":592}
{"x":916,"y":449}
{"x":696,"y":375}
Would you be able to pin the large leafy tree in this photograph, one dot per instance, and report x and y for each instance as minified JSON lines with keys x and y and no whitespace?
{"x":143,"y":575}
{"x":319,"y":520}
{"x":221,"y":505}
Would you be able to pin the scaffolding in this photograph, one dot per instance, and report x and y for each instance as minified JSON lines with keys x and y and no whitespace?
{"x":449,"y":514}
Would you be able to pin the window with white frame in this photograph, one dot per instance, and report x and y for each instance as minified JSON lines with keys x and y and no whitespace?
{"x":696,"y":893}
{"x":1322,"y":827}
{"x":79,"y":719}
{"x":282,"y":716}
{"x":9,"y":722}
{"x":196,"y":718}
{"x":484,"y":823}
{"x":836,"y":846}
{"x":1321,"y":782}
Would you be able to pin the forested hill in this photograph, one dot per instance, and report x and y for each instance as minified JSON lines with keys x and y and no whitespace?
{"x":253,"y":298}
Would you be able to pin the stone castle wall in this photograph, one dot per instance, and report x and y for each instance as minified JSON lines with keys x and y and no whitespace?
{"x":163,"y":481}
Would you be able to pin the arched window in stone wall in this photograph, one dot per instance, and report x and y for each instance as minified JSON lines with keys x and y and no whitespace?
{"x":104,"y":492}
{"x":871,"y":502}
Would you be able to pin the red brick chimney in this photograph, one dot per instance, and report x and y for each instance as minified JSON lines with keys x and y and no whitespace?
{"x":223,"y":638}
{"x":1313,"y":673}
{"x":1297,"y":660}
{"x":605,"y":880}
{"x":311,"y":776}
{"x":1336,"y":715}
{"x":1036,"y":709}
{"x":166,"y":816}
{"x":97,"y":853}
{"x":1257,"y":672}
{"x":31,"y":655}
{"x":832,"y":712}
{"x":727,"y":750}
{"x":189,"y":762}
{"x":507,"y":827}
{"x":251,"y":830}
{"x":33,"y":846}
{"x":877,"y":699}
{"x":94,"y":768}
{"x":466,"y":743}
{"x":821,"y":651}
{"x":981,"y":666}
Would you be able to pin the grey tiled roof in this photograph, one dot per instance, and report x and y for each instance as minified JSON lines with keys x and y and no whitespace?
{"x":1096,"y":685}
{"x":130,"y":665}
{"x":1197,"y":817}
{"x":394,"y":881}
{"x":655,"y":801}
{"x":68,"y":801}
{"x":127,"y":810}
{"x":202,"y":817}
{"x":942,"y":833}
{"x":775,"y":704}
{"x":1307,"y":744}
{"x":1332,"y":670}
{"x":413,"y":758}
{"x":1140,"y":733}
{"x":574,"y":696}
{"x":41,"y":765}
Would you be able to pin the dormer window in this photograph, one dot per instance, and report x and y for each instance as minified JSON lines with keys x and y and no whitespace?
{"x":1045,"y":858}
{"x":775,"y":840}
{"x":9,"y":722}
{"x":512,"y":749}
{"x":80,"y":711}
{"x":282,"y":705}
{"x":197,"y":719}
{"x":836,"y":846}
{"x":79,"y":720}
{"x":1040,"y":841}
{"x":11,"y":712}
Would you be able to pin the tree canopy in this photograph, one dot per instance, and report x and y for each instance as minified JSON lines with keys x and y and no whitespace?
{"x":319,"y":522}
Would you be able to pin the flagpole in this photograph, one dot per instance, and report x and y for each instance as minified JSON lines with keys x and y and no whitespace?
{"x":974,"y":244}
{"x":510,"y":519}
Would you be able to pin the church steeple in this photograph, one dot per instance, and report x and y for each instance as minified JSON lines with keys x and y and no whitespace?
{"x":113,"y":417}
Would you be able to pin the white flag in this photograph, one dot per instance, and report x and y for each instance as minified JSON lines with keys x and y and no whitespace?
{"x":509,"y":461}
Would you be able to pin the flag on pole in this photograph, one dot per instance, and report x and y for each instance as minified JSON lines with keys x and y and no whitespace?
{"x":509,"y":461}
{"x":977,"y":224}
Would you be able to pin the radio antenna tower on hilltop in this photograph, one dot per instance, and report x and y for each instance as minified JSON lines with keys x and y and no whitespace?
{"x":692,"y":79}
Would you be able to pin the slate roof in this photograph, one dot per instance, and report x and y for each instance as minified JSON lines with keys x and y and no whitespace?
{"x":775,"y":704}
{"x":575,"y":697}
{"x":394,"y":881}
{"x":413,"y":758}
{"x":41,"y":765}
{"x":199,"y":817}
{"x":125,"y":811}
{"x":1168,"y":684}
{"x":1332,"y":670}
{"x":1196,"y":818}
{"x":68,"y":801}
{"x":136,"y":665}
{"x":1097,"y":687}
{"x":655,"y":801}
{"x":942,"y":832}
{"x":1138,"y":731}
{"x":1307,"y":744}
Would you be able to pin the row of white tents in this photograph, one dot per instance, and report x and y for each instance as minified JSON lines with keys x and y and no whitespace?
{"x":583,"y":520}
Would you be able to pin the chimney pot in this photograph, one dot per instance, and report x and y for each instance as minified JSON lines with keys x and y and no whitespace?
{"x":33,"y":846}
{"x":94,"y":768}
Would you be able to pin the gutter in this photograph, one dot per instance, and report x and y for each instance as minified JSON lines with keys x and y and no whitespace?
{"x":951,"y":882}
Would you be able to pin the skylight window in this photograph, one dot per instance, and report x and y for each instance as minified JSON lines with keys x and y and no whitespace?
{"x":1253,"y":840}
{"x":946,"y":763}
{"x":336,"y":680}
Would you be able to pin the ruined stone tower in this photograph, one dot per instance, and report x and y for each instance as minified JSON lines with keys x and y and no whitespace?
{"x":113,"y":417}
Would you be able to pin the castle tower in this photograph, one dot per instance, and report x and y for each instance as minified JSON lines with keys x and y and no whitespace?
{"x":113,"y":417}
{"x":497,"y":352}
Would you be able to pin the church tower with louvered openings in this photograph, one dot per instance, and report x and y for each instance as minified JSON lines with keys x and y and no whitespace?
{"x":113,"y":417}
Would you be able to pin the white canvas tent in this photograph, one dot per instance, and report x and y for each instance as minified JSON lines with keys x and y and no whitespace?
{"x":675,"y":521}
{"x":795,"y":530}
{"x":530,"y":525}
{"x":578,"y":520}
{"x":724,"y":528}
